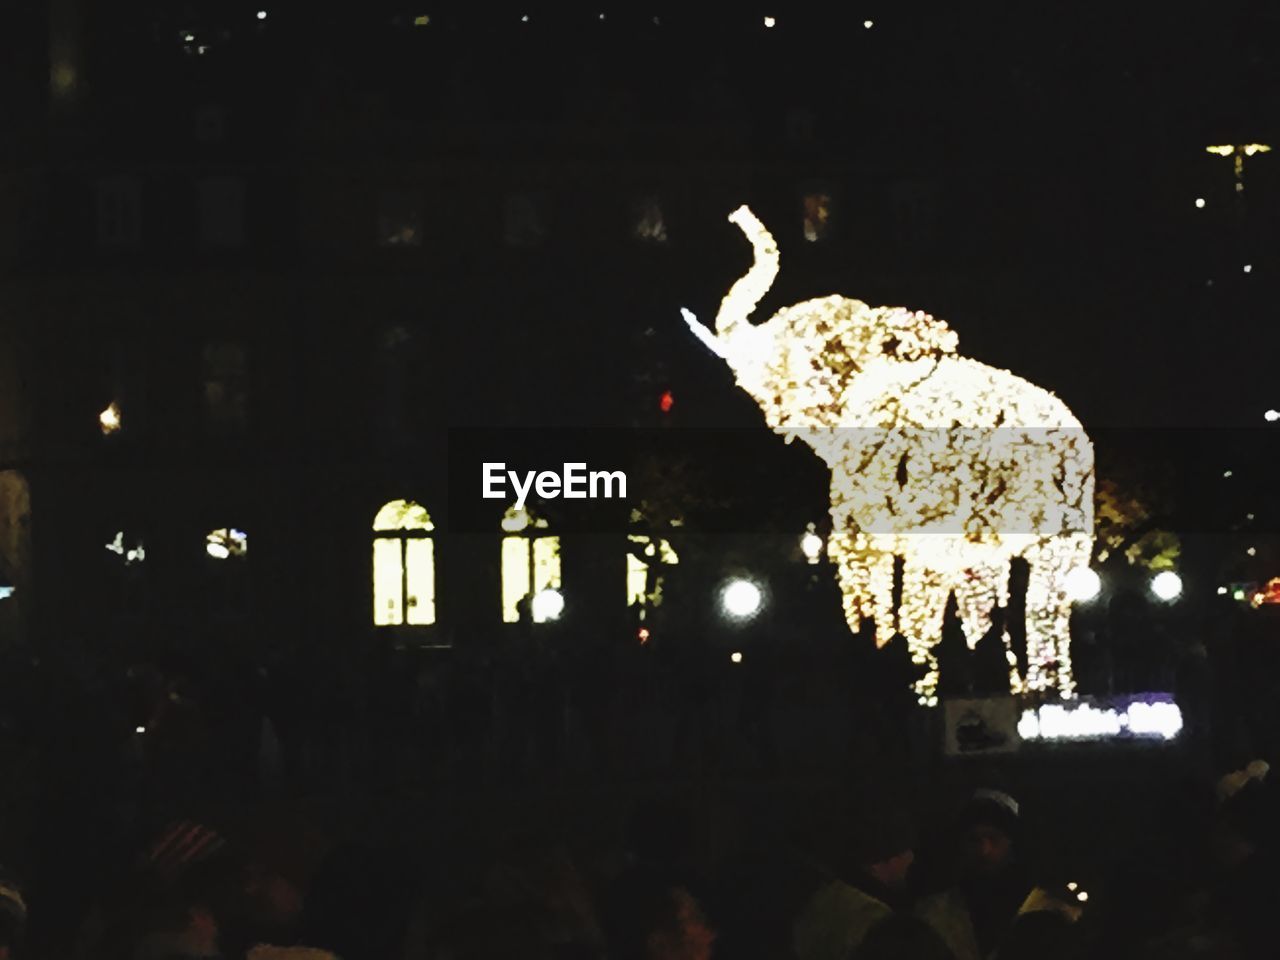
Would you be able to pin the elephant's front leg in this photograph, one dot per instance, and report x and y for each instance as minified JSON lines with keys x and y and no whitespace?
{"x":866,"y":582}
{"x":1049,"y":611}
{"x":924,"y":602}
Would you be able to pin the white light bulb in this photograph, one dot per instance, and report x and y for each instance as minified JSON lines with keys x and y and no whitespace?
{"x":1226,"y":474}
{"x":1199,"y":203}
{"x":262,"y":14}
{"x":1082,"y":584}
{"x":1248,"y":268}
{"x":740,"y":599}
{"x":811,"y":544}
{"x":547,"y":605}
{"x":1166,"y":585}
{"x":1252,"y":551}
{"x":770,"y":22}
{"x":1222,"y":591}
{"x":1271,"y":416}
{"x":868,"y":24}
{"x":1082,"y":897}
{"x":139,"y":729}
{"x":735,"y":657}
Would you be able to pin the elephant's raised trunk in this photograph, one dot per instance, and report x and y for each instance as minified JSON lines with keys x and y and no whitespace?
{"x":745,"y":295}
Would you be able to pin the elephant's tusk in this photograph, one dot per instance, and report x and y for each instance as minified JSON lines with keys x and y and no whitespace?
{"x":709,"y":339}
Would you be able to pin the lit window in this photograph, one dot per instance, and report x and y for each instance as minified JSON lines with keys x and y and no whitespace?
{"x":404,"y":566}
{"x":119,"y":212}
{"x":648,"y":222}
{"x":221,"y":211}
{"x":109,"y":419}
{"x":525,"y":219}
{"x":817,"y":216}
{"x":226,"y":542}
{"x":530,"y":564}
{"x":644,"y":584}
{"x":226,"y":386}
{"x":400,"y":218}
{"x":129,"y":554}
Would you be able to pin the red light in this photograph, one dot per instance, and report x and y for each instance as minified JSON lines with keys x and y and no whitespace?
{"x":667,"y":402}
{"x":643,"y":635}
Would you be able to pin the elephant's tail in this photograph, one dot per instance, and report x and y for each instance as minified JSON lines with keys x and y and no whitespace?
{"x":745,"y":295}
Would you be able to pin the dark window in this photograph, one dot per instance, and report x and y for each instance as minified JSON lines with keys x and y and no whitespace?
{"x":400,"y":218}
{"x":221,"y":211}
{"x":119,"y":212}
{"x":226,"y":387}
{"x":526,"y":219}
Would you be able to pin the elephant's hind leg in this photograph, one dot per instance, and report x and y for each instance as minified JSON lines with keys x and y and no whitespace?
{"x":978,"y":592}
{"x":1049,"y":612}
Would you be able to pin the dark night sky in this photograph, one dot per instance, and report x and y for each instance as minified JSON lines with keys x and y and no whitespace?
{"x":1068,"y":140}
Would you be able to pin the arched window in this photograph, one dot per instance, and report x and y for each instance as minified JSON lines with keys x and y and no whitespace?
{"x":404,"y":566}
{"x":644,"y":582}
{"x":530,"y":565}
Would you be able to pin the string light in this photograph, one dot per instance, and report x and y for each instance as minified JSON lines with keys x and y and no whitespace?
{"x":1199,"y":203}
{"x":1271,"y":416}
{"x":735,"y":657}
{"x":262,"y":14}
{"x":868,"y":24}
{"x":770,"y":22}
{"x":1002,"y":469}
{"x":1248,"y":268}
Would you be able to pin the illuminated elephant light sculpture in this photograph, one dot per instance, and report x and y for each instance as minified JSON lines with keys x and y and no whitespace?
{"x":952,"y":465}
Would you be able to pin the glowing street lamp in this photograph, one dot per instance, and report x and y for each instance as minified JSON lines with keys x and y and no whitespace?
{"x":811,"y":545}
{"x":1082,"y":584}
{"x":547,"y":605}
{"x":1166,"y":585}
{"x":741,"y":599}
